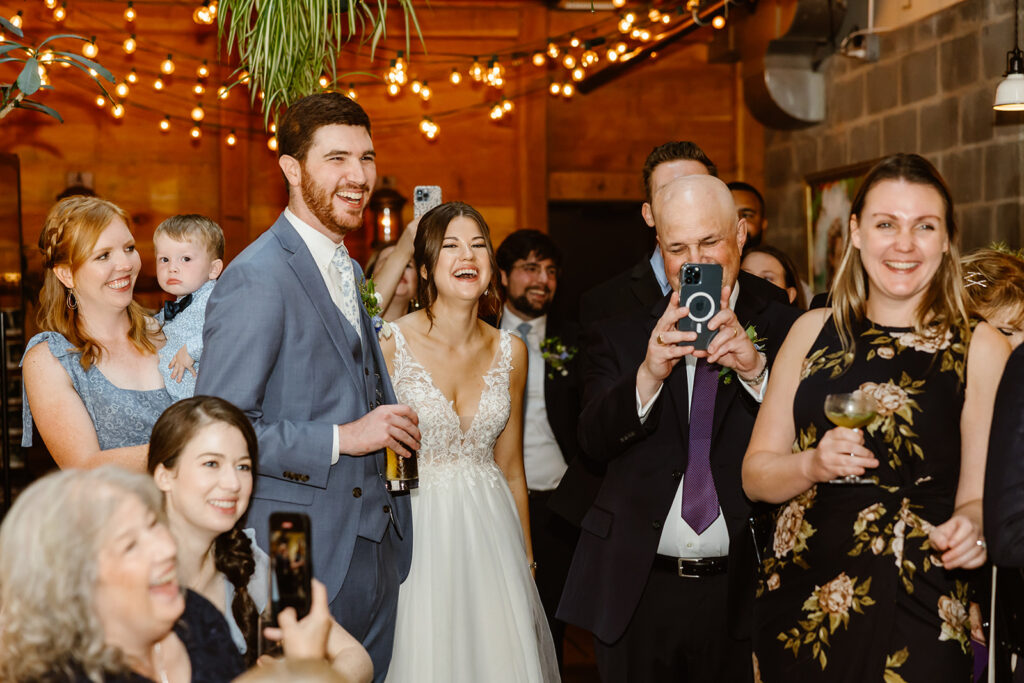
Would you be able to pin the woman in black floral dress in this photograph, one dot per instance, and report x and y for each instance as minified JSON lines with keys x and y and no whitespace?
{"x":869,"y":582}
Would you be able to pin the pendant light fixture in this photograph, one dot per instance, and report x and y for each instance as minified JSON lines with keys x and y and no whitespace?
{"x":1010,"y":92}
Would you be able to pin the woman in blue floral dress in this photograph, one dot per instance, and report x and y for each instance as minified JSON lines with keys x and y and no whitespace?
{"x":869,"y":582}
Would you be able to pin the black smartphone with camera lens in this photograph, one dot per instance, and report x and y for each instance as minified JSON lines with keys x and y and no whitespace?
{"x":425,"y":198}
{"x":700,"y":290}
{"x":291,"y":564}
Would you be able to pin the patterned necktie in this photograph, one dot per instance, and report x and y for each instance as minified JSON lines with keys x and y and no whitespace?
{"x":349,"y":299}
{"x":173,"y":308}
{"x":524,"y":333}
{"x":700,"y":500}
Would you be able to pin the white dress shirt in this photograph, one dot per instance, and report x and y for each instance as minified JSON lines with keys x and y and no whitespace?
{"x":542,"y":457}
{"x":322,"y":249}
{"x":678,"y":539}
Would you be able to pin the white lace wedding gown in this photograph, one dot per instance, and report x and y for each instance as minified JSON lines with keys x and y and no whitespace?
{"x":469,"y":611}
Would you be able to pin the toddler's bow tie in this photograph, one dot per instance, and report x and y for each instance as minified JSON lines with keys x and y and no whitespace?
{"x":173,"y":308}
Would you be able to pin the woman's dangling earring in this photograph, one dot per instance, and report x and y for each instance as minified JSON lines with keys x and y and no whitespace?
{"x":72,"y":300}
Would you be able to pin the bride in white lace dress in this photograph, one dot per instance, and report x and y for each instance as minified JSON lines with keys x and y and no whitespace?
{"x":469,"y":611}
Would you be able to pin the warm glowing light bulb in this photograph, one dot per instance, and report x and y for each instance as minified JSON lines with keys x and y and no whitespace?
{"x":618,"y":3}
{"x":624,"y":26}
{"x":506,"y":105}
{"x":666,"y":18}
{"x":273,"y":127}
{"x":16,"y":20}
{"x":203,"y":70}
{"x":165,"y":124}
{"x":455,"y":77}
{"x":197,"y":113}
{"x":196,"y":132}
{"x":129,"y":13}
{"x":630,"y":17}
{"x":590,"y":58}
{"x":568,"y":90}
{"x":654,"y":14}
{"x":621,"y":48}
{"x":117,"y":111}
{"x":158,"y":84}
{"x":645,"y":35}
{"x":122,"y":90}
{"x":243,"y":77}
{"x":324,"y":82}
{"x":569,"y":62}
{"x":555,"y":88}
{"x":46,"y":57}
{"x":198,"y":89}
{"x":425,"y":92}
{"x":222,"y":92}
{"x":260,"y":95}
{"x":612,"y":55}
{"x":94,"y":73}
{"x":415,"y":87}
{"x":167,"y":66}
{"x":49,"y":4}
{"x":351,"y":94}
{"x":129,"y":44}
{"x":132,"y":77}
{"x":553,"y":51}
{"x":394,"y":89}
{"x":574,"y":41}
{"x":496,"y":112}
{"x":90,"y":49}
{"x":60,"y":13}
{"x":718,"y":22}
{"x":424,"y":124}
{"x":231,"y":139}
{"x":476,"y":71}
{"x":101,"y":101}
{"x":272,"y":144}
{"x":578,"y":74}
{"x":539,"y":59}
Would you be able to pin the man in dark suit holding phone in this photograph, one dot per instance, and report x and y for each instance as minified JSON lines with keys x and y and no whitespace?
{"x":530,"y":264}
{"x":665,"y":563}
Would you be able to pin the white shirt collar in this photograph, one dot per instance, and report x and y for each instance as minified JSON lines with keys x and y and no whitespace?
{"x":320,"y":245}
{"x":511,"y":321}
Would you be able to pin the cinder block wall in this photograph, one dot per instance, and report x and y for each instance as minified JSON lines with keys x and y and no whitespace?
{"x":930,"y":92}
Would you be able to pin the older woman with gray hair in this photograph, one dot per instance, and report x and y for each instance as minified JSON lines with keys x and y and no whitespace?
{"x":89,"y":588}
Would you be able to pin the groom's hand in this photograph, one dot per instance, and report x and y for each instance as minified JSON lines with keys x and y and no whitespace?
{"x":391,"y":426}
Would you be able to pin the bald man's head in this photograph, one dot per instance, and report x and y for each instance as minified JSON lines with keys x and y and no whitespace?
{"x":695,"y":218}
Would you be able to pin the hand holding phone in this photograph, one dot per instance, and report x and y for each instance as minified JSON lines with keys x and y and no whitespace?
{"x":291,"y":564}
{"x":700,"y":291}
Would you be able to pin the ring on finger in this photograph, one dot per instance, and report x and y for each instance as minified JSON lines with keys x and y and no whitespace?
{"x":981,"y":543}
{"x":660,"y":340}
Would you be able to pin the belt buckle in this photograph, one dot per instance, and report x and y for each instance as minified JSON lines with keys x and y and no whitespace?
{"x":682,"y":565}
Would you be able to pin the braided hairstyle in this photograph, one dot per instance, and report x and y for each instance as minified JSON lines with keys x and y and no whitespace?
{"x":69,"y":234}
{"x":232,"y":550}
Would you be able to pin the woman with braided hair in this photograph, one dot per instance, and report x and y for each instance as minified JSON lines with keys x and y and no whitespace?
{"x":94,"y":387}
{"x":202,"y":455}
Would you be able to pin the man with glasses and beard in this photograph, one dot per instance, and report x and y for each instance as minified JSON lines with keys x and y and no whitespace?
{"x":530,"y":263}
{"x":289,"y":342}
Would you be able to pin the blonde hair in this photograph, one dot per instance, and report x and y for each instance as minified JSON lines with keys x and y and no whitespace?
{"x":994,"y":281}
{"x":943,"y":305}
{"x":193,"y":226}
{"x":69,"y":234}
{"x":50,"y":543}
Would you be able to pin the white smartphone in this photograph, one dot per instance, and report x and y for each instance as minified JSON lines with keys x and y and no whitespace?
{"x":425,"y":198}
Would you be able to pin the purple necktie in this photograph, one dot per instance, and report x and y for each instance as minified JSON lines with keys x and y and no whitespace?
{"x":700,"y":500}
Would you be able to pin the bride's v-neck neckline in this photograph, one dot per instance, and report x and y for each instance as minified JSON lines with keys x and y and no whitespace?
{"x":495,"y":364}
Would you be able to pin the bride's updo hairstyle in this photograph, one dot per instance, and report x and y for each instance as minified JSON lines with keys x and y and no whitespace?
{"x":232,"y":550}
{"x":427,"y":247}
{"x":943,"y":305}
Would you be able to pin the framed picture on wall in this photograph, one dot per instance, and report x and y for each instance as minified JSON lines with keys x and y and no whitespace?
{"x":828,"y":197}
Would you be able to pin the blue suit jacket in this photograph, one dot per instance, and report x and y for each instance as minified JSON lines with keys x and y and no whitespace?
{"x":278,"y":348}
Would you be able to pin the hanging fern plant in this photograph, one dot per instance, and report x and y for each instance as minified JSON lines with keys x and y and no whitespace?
{"x":285,"y":45}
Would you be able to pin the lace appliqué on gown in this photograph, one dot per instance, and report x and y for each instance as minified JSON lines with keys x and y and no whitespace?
{"x":444,"y":445}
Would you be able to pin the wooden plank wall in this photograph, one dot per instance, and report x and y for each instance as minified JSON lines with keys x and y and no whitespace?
{"x":589,"y":148}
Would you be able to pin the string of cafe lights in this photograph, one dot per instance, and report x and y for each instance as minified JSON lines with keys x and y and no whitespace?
{"x":563,"y":61}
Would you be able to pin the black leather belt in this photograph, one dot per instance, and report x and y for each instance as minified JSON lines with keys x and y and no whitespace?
{"x":692,"y":568}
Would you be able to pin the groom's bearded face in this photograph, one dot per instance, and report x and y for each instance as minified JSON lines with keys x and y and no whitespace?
{"x":321,"y":202}
{"x":337,"y":175}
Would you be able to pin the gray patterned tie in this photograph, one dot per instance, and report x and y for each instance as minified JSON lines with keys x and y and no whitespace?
{"x":349,"y":299}
{"x":700,"y":499}
{"x":523,"y":329}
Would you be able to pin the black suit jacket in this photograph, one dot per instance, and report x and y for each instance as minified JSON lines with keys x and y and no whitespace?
{"x":1004,"y":473}
{"x":629,"y":291}
{"x":622,"y":529}
{"x":562,"y":392}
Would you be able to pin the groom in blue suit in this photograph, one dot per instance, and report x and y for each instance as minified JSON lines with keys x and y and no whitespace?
{"x":288,"y":341}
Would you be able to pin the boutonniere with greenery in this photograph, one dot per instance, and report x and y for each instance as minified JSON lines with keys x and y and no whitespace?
{"x":372,"y":302}
{"x":557,"y":356}
{"x":725,"y":374}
